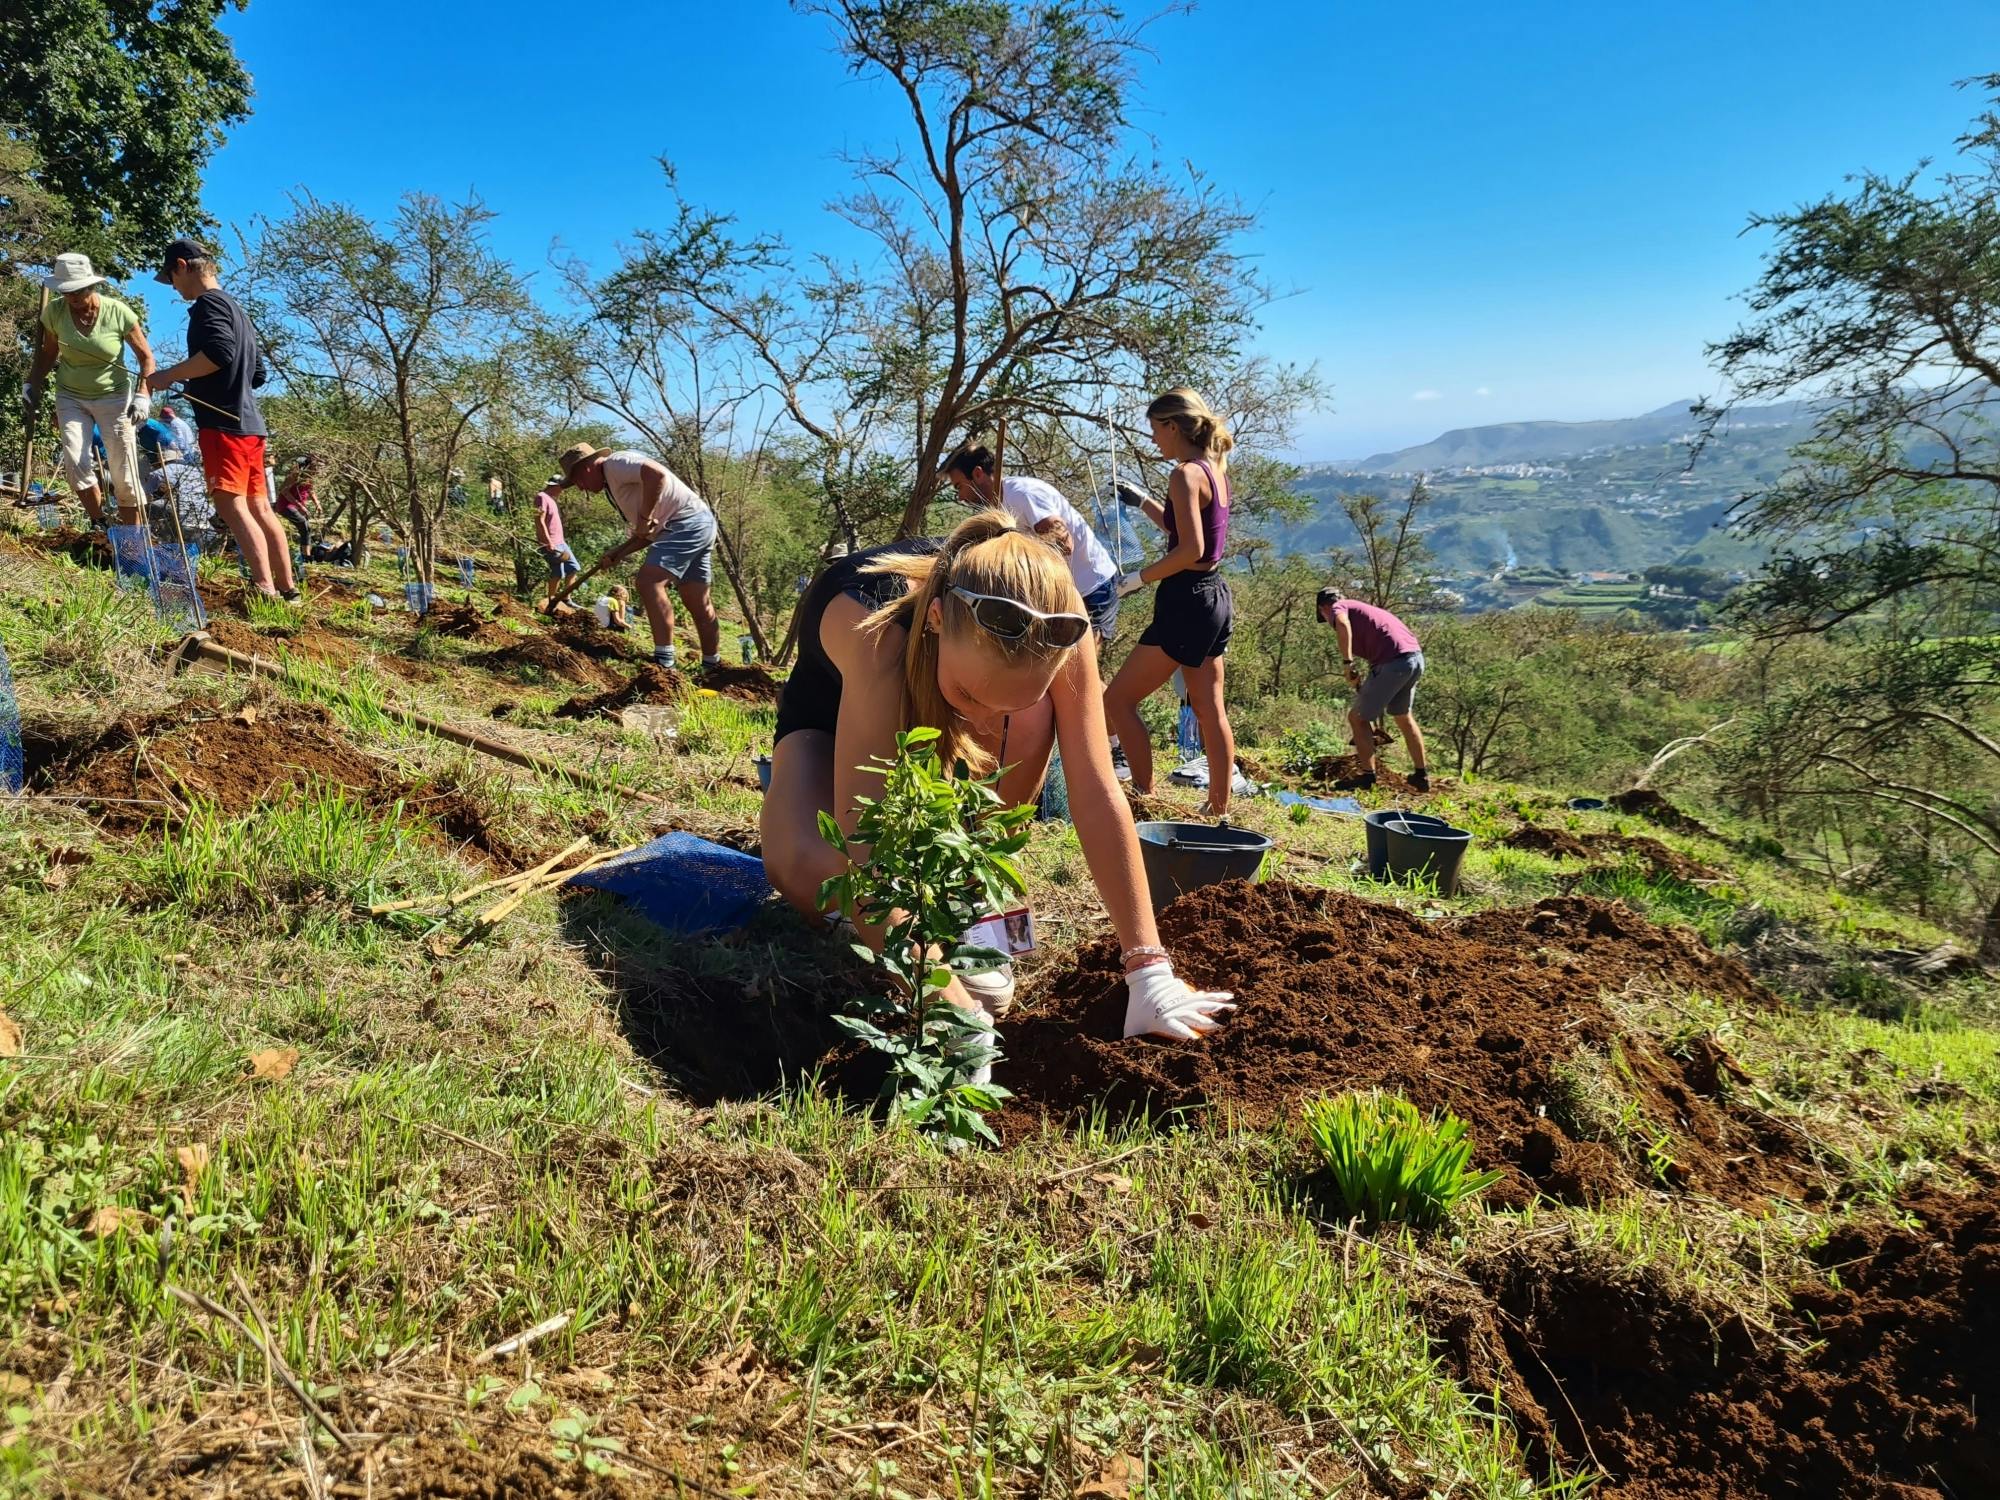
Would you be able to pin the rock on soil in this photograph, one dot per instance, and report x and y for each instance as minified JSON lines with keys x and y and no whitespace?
{"x":651,"y":684}
{"x":1889,"y":1388}
{"x":1476,"y":1015}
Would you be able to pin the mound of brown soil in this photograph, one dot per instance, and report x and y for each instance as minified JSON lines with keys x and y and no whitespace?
{"x":651,"y":684}
{"x":1331,"y":768}
{"x":307,"y":640}
{"x":582,"y":634}
{"x":463,"y":622}
{"x":1888,"y":1389}
{"x":1475,"y":1015}
{"x":549,"y":656}
{"x":142,"y":771}
{"x":746,"y":684}
{"x":92,"y":549}
{"x":510,"y":608}
{"x":1557,"y":842}
{"x":1644,"y":802}
{"x":467,"y":825}
{"x":1659,"y":860}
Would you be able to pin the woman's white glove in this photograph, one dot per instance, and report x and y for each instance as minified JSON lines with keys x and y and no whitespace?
{"x":1131,"y":583}
{"x":140,"y":407}
{"x":1160,"y":1003}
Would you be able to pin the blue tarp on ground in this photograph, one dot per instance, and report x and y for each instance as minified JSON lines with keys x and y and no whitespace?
{"x":684,"y":884}
{"x":1348,"y":806}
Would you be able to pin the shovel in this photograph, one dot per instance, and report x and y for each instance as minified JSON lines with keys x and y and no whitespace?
{"x":549,"y":606}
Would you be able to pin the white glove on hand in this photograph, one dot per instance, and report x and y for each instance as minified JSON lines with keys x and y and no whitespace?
{"x":1160,"y":1003}
{"x":1131,"y":583}
{"x":1131,"y":494}
{"x":140,"y":407}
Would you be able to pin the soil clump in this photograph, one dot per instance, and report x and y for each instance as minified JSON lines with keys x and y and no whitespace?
{"x":145,"y":770}
{"x":746,"y":684}
{"x":1331,"y":768}
{"x":90,"y":549}
{"x":1883,"y":1386}
{"x":307,"y":640}
{"x":463,"y":622}
{"x":548,"y":656}
{"x":1479,"y":1015}
{"x":1659,"y":860}
{"x":652,"y":683}
{"x":581,"y":633}
{"x":1644,"y":802}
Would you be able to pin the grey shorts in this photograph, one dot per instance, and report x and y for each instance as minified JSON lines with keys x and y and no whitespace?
{"x":683,"y":548}
{"x":1391,"y":688}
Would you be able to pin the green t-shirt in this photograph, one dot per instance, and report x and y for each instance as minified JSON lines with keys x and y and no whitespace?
{"x":92,"y":364}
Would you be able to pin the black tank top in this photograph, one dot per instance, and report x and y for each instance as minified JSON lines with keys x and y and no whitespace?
{"x":811,"y":695}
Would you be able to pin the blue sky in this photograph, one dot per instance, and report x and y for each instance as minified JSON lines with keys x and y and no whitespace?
{"x":1486,"y":212}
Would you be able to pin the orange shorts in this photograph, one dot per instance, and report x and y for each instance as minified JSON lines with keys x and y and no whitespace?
{"x":233,"y":463}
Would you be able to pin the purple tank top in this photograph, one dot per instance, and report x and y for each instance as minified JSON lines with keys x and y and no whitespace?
{"x":1215,"y":521}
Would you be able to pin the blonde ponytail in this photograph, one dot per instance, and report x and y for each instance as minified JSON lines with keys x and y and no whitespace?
{"x":987,"y":553}
{"x":1194,"y":419}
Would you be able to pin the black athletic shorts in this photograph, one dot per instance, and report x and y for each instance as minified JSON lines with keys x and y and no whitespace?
{"x":1192,"y":616}
{"x":810,"y":698}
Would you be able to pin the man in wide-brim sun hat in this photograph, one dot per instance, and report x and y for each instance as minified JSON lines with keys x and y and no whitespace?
{"x":670,"y":523}
{"x":84,"y":336}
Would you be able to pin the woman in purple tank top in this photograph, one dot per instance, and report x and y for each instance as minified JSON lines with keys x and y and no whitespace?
{"x":1192,"y":610}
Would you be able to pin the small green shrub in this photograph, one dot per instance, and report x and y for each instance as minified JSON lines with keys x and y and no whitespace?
{"x":940,"y":857}
{"x":1388,"y":1161}
{"x":1303,"y":748}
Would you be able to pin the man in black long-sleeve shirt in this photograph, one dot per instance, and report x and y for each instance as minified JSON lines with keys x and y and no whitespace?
{"x":222,"y":372}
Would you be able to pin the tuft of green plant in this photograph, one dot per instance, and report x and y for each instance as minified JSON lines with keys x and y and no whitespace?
{"x":1301,"y":749}
{"x":1388,"y":1160}
{"x":940,"y":857}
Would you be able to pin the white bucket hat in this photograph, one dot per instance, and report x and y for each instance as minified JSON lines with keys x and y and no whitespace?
{"x":71,"y":273}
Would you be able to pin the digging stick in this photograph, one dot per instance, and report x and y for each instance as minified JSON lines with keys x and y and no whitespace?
{"x":578,"y":581}
{"x":31,"y":412}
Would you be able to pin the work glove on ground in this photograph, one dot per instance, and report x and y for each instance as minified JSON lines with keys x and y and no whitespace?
{"x":1160,"y":1003}
{"x":1131,"y":583}
{"x":1134,"y":495}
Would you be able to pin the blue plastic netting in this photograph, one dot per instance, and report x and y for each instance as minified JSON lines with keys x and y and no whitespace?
{"x":417,"y":597}
{"x":467,"y":568}
{"x":684,"y":884}
{"x":131,"y":555}
{"x":176,"y":599}
{"x":48,"y":517}
{"x":12,"y":762}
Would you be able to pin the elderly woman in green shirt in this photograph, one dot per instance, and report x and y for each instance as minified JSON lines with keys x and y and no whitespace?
{"x":84,"y":335}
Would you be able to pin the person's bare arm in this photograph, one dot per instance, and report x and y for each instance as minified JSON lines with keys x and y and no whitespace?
{"x":136,"y":337}
{"x":1097,"y":807}
{"x":1053,"y":528}
{"x":1343,"y":635}
{"x":194,"y":366}
{"x":1193,"y":538}
{"x":45,"y":357}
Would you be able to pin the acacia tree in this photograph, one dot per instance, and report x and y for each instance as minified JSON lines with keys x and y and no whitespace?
{"x":1884,"y":303}
{"x":1031,"y":259}
{"x":414,"y":323}
{"x":1390,"y":564}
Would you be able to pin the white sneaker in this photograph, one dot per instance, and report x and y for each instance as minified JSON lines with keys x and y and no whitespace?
{"x":994,"y":990}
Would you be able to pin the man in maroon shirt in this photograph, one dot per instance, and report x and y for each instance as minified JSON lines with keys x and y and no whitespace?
{"x":1395,"y":663}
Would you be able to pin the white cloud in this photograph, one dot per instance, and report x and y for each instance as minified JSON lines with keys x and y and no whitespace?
{"x":1482,"y":391}
{"x":1427,"y":395}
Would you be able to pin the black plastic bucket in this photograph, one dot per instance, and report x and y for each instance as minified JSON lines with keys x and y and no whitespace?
{"x":1181,"y":857}
{"x":1424,"y":846}
{"x":1373,"y":829}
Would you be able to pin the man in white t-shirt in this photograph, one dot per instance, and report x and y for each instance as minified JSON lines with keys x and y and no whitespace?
{"x":1043,"y":508}
{"x":671,"y":524}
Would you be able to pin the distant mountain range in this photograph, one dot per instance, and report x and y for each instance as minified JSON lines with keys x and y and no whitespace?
{"x":1574,"y":496}
{"x":1528,"y":442}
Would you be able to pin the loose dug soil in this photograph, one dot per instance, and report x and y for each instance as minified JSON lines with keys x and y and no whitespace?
{"x":651,"y":684}
{"x":1644,"y":802}
{"x":1331,"y":768}
{"x":469,"y":826}
{"x":1659,"y":860}
{"x":746,"y":684}
{"x":1476,"y":1015}
{"x":548,"y":656}
{"x":1889,"y":1389}
{"x":308,"y":640}
{"x":464,"y":623}
{"x":92,"y":549}
{"x":145,"y":770}
{"x":583,"y":635}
